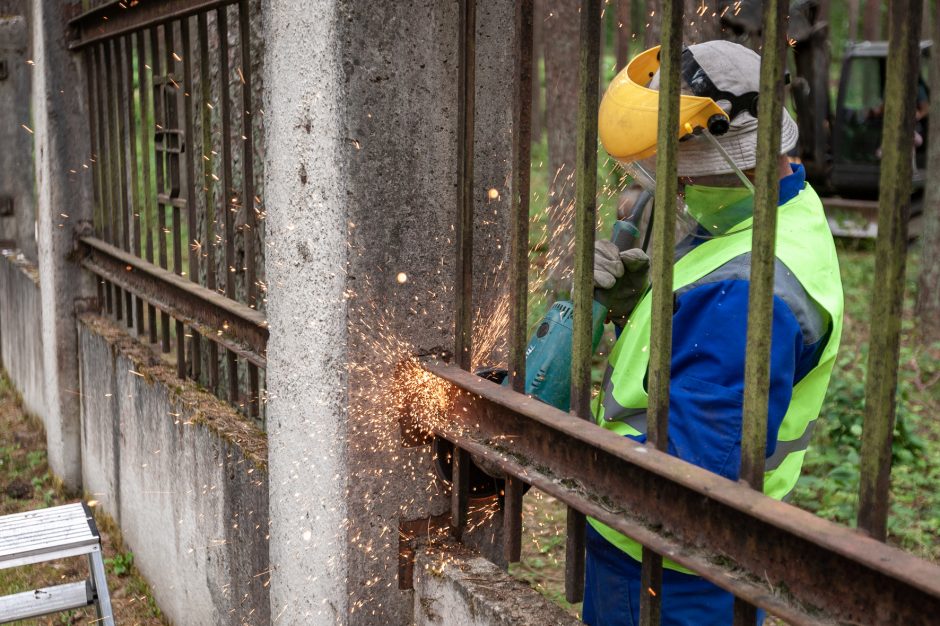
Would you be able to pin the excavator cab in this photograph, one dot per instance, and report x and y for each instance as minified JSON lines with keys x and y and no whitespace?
{"x":857,"y":125}
{"x":841,"y":150}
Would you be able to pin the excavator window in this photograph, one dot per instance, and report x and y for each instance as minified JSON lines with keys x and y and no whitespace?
{"x":857,"y":132}
{"x":861,"y":111}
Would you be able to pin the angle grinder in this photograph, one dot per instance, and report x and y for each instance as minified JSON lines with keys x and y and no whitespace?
{"x":547,"y":360}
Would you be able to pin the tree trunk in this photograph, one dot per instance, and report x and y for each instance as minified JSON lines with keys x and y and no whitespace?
{"x":927,"y":20}
{"x":928,"y":285}
{"x":601,"y":69}
{"x":871,"y":26}
{"x":702,"y":21}
{"x":537,"y":112}
{"x":651,"y":23}
{"x":560,"y":22}
{"x":851,"y":10}
{"x":624,"y":32}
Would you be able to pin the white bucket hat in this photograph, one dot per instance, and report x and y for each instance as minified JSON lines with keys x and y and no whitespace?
{"x":735,"y":69}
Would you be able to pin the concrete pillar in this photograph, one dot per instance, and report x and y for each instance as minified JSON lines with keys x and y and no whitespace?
{"x":17,"y":217}
{"x":360,"y":175}
{"x":63,"y":202}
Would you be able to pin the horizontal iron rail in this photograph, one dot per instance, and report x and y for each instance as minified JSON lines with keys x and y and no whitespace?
{"x":803,"y":568}
{"x":231,"y":324}
{"x":117,"y":18}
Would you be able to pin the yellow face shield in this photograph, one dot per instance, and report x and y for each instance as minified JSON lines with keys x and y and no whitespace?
{"x":629,"y":111}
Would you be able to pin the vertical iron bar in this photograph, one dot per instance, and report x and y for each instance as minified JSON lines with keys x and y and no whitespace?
{"x":104,"y":163}
{"x":208,"y":246}
{"x":248,"y":189}
{"x":519,"y":243}
{"x":123,"y":164}
{"x":91,"y":74}
{"x":226,"y":182}
{"x":466,"y":82}
{"x":171,"y":118}
{"x":159,"y":117}
{"x":195,"y":343}
{"x":227,"y":191}
{"x":664,"y":226}
{"x":254,"y":390}
{"x":173,"y":91}
{"x":463,"y":291}
{"x":583,"y":282}
{"x":115,"y":167}
{"x":894,"y":204}
{"x":104,"y":155}
{"x":460,"y":492}
{"x":135,"y":196}
{"x":512,"y":519}
{"x":145,"y":94}
{"x":763,"y":245}
{"x":248,"y":173}
{"x":519,"y":255}
{"x":91,"y":83}
{"x":120,"y":94}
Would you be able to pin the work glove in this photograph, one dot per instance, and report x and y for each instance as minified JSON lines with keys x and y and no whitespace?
{"x":620,"y":279}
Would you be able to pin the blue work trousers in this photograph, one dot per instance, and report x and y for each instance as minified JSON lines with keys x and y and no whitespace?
{"x":612,"y":592}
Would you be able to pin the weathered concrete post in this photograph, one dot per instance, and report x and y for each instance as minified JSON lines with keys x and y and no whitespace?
{"x":64,"y":200}
{"x":360,"y":178}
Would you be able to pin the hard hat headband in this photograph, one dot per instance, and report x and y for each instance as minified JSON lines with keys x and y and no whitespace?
{"x":701,"y":85}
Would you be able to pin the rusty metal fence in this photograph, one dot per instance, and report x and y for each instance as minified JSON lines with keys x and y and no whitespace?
{"x":807,"y":570}
{"x":177,"y":240}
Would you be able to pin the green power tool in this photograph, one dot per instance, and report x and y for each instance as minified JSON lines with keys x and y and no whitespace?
{"x":548,"y":355}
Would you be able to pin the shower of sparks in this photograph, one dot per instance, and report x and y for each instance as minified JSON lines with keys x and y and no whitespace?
{"x":390,"y":394}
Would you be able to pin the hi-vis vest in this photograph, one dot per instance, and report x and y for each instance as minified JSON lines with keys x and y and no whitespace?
{"x":805,"y":246}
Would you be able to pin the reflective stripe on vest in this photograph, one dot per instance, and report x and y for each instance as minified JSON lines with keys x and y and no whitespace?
{"x":805,"y":247}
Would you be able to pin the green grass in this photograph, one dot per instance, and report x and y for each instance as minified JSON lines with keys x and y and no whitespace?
{"x":829,"y":485}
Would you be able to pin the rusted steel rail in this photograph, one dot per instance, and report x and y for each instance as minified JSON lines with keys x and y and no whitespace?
{"x":798,"y":566}
{"x":235,"y":326}
{"x":117,"y":18}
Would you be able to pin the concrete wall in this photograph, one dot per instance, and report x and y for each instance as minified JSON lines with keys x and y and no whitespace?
{"x":20,"y":329}
{"x":182,"y":474}
{"x":16,"y":155}
{"x":457,"y":588}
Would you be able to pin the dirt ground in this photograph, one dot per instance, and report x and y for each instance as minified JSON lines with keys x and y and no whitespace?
{"x":27,"y":484}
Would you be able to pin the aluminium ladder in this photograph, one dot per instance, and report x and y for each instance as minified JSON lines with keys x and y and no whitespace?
{"x":45,"y":535}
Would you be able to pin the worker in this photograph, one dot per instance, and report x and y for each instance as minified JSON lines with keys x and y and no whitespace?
{"x":716,"y":161}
